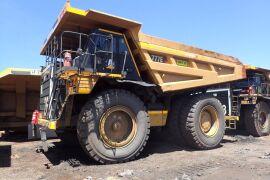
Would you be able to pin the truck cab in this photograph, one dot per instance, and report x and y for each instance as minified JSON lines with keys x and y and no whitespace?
{"x":100,"y":54}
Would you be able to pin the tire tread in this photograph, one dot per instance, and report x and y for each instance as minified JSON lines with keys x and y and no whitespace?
{"x":82,"y":136}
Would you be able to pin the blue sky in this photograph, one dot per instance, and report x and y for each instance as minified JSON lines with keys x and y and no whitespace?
{"x":239,"y":28}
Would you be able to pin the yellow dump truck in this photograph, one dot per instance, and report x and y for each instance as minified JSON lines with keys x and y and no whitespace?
{"x":111,"y":83}
{"x":19,"y":97}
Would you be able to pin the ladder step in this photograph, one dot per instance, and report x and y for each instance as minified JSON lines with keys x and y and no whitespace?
{"x":231,"y":124}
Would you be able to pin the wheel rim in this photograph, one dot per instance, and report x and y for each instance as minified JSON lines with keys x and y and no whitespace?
{"x":262,"y":120}
{"x":118,"y":127}
{"x":209,"y":121}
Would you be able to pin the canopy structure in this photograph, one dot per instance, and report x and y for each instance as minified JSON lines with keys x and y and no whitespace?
{"x":264,"y":71}
{"x":73,"y":19}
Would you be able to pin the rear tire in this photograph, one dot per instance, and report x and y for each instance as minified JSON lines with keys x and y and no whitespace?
{"x":174,"y":131}
{"x":202,"y":122}
{"x":113,"y":127}
{"x":240,"y":125}
{"x":257,"y":119}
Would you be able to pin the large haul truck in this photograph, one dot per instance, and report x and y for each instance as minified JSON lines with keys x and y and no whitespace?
{"x":251,"y":101}
{"x":112,"y":83}
{"x":19,"y":97}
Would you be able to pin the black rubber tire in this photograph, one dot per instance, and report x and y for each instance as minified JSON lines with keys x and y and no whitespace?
{"x":252,"y":113}
{"x":173,"y":130}
{"x":88,"y":127}
{"x":189,"y":127}
{"x":240,"y":125}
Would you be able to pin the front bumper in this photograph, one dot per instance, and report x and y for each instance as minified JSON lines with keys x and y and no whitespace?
{"x":47,"y":123}
{"x":34,"y":132}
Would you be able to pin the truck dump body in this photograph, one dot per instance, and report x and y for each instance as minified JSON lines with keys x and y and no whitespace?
{"x":186,"y":67}
{"x":172,"y":66}
{"x":19,"y":96}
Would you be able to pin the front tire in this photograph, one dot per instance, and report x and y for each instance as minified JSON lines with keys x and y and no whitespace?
{"x":257,"y":119}
{"x":113,"y":127}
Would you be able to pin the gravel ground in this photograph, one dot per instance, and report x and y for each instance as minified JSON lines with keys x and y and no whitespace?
{"x":239,"y":157}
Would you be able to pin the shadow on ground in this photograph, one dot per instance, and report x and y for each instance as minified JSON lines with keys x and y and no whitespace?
{"x":62,"y":152}
{"x":239,"y":136}
{"x":14,"y":136}
{"x":231,"y":132}
{"x":72,"y":154}
{"x":5,"y":156}
{"x":159,"y":142}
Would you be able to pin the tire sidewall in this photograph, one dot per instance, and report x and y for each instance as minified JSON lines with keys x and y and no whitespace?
{"x":217,"y":138}
{"x":262,"y":107}
{"x":93,"y":113}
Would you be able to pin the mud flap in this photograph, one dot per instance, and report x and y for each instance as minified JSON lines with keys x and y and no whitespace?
{"x":43,"y":137}
{"x":34,"y":132}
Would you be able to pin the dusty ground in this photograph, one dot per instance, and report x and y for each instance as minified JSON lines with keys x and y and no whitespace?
{"x":240,"y":157}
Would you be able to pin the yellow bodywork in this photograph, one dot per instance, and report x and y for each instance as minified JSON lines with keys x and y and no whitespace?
{"x":230,"y":118}
{"x":19,"y":96}
{"x":81,"y":85}
{"x":19,"y":71}
{"x":182,"y":66}
{"x":84,"y":82}
{"x":157,"y":118}
{"x":46,"y":123}
{"x":170,"y":65}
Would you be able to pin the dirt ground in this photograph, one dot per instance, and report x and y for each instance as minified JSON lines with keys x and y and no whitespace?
{"x":239,"y":157}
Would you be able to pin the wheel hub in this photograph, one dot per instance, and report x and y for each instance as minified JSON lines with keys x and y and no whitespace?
{"x":262,"y":119}
{"x":206,"y":122}
{"x":209,"y":122}
{"x":118,"y":126}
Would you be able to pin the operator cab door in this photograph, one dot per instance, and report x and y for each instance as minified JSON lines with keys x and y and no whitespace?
{"x":111,"y":55}
{"x":124,"y":62}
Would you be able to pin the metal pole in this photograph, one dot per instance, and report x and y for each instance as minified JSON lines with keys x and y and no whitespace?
{"x":80,"y":41}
